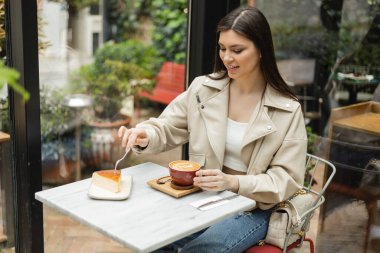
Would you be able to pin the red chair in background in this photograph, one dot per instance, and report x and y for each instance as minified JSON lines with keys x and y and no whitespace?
{"x":170,"y":83}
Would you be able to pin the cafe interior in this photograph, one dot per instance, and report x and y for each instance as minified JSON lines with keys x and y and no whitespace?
{"x":68,"y":65}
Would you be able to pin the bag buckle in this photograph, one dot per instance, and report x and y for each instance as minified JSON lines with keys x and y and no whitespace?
{"x":282,"y":205}
{"x":261,"y":243}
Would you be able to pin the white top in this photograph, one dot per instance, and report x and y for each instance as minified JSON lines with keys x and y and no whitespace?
{"x":234,"y":140}
{"x":131,"y":221}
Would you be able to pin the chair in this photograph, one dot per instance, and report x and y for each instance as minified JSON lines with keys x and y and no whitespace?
{"x":170,"y":83}
{"x":316,"y":168}
{"x":353,"y":141}
{"x":352,"y":162}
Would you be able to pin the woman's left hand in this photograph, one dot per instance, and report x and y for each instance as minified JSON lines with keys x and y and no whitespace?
{"x":215,"y":180}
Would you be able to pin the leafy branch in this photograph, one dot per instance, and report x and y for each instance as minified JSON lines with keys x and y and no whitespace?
{"x":10,"y":76}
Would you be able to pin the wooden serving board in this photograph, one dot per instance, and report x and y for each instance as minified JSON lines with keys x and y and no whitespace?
{"x":166,"y":188}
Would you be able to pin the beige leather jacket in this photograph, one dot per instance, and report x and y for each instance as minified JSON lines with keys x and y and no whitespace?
{"x":274,"y":146}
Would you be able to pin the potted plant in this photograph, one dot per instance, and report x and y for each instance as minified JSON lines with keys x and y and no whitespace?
{"x":118,"y":72}
{"x":58,"y":132}
{"x":57,"y":141}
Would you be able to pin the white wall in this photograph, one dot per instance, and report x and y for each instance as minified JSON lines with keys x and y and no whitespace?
{"x":58,"y":60}
{"x":54,"y":17}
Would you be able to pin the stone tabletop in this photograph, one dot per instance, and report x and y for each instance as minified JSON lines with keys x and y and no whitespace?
{"x":148,"y":219}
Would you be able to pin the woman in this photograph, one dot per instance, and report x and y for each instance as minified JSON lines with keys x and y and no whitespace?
{"x":243,"y":125}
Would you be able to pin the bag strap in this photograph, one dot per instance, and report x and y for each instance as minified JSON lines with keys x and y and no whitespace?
{"x":295,"y":217}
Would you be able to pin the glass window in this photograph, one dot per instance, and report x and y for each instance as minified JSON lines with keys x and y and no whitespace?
{"x":7,"y":76}
{"x":328,"y":52}
{"x":98,"y":71}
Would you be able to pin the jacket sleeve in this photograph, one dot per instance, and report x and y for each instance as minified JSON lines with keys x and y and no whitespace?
{"x":285,"y":173}
{"x":170,"y":129}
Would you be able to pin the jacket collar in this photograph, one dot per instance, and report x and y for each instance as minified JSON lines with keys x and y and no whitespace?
{"x":262,"y":123}
{"x":271,"y":98}
{"x":217,"y":84}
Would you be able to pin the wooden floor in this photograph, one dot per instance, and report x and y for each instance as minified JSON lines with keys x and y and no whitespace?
{"x":345,"y":230}
{"x":64,"y":235}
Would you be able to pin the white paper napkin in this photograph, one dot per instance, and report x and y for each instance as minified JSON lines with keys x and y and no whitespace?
{"x":200,"y":204}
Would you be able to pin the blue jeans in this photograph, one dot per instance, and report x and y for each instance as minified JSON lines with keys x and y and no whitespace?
{"x":235,"y":234}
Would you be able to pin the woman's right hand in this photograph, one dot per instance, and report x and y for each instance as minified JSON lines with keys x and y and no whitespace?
{"x":133,"y":136}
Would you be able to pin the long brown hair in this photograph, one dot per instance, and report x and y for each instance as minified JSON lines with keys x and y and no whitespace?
{"x":252,"y":24}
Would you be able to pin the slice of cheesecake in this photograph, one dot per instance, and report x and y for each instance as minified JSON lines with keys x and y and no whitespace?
{"x":107,"y":179}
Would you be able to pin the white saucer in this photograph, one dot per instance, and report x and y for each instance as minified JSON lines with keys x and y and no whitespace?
{"x":96,"y":192}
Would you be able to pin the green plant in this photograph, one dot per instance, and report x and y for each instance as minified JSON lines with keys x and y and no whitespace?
{"x":56,"y":121}
{"x":4,"y":115}
{"x":312,"y":139}
{"x":10,"y":76}
{"x":55,"y":118}
{"x":170,"y":29}
{"x":131,"y":51}
{"x":169,"y":21}
{"x":42,"y":43}
{"x":129,"y":17}
{"x":58,"y":124}
{"x":2,"y":23}
{"x":298,"y":31}
{"x":115,"y":74}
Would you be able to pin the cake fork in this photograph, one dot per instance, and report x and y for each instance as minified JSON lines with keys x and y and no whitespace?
{"x":118,"y":161}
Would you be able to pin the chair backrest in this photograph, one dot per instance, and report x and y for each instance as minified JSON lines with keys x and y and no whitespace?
{"x":171,"y":77}
{"x":319,"y":173}
{"x":297,"y":71}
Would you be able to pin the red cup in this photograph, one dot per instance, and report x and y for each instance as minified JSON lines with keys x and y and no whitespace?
{"x":182,"y":172}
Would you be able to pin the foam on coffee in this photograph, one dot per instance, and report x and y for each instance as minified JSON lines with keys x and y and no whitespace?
{"x":184,"y":165}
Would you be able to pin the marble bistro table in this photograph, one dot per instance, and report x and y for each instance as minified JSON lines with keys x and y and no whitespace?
{"x":148,"y":219}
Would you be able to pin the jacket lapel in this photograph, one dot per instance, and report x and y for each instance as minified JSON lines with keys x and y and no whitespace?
{"x":263,"y":125}
{"x":258,"y":127}
{"x":214,"y":111}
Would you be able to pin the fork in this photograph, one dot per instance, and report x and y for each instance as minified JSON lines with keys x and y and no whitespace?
{"x":118,"y":161}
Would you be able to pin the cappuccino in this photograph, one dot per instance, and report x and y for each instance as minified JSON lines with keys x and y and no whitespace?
{"x":184,"y":165}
